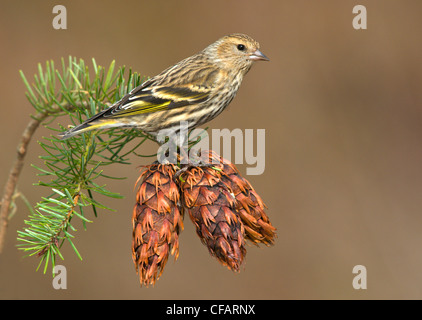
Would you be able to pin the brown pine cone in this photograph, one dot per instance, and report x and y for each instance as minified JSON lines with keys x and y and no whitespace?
{"x":212,"y":208}
{"x":157,"y":222}
{"x":249,"y":205}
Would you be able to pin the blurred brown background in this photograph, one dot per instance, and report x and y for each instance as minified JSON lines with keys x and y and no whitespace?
{"x":342,"y":112}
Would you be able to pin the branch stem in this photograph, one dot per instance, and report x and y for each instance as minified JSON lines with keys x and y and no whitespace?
{"x":15,"y":172}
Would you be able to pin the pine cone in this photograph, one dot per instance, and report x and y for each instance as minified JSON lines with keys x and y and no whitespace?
{"x":249,"y":205}
{"x":157,"y":222}
{"x":212,"y":208}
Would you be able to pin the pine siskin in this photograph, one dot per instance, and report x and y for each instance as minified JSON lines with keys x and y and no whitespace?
{"x":195,"y":90}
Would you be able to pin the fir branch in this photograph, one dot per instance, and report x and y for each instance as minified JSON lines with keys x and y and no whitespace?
{"x":73,"y":166}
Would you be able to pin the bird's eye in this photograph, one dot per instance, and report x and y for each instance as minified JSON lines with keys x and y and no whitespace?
{"x":241,"y":47}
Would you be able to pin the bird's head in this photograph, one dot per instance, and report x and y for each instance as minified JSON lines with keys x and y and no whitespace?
{"x":235,"y":52}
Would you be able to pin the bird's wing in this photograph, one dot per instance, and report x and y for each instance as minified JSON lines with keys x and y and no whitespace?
{"x":165,"y":92}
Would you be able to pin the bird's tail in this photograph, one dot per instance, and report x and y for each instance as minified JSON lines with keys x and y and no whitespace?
{"x":96,"y":122}
{"x":84,"y":127}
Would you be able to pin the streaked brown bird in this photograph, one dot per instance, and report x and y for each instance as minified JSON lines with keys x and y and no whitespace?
{"x":196,"y":90}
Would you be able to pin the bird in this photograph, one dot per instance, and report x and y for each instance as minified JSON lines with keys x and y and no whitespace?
{"x":194,"y":90}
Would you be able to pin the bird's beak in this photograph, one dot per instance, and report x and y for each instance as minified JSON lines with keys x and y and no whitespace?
{"x":258,"y":55}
